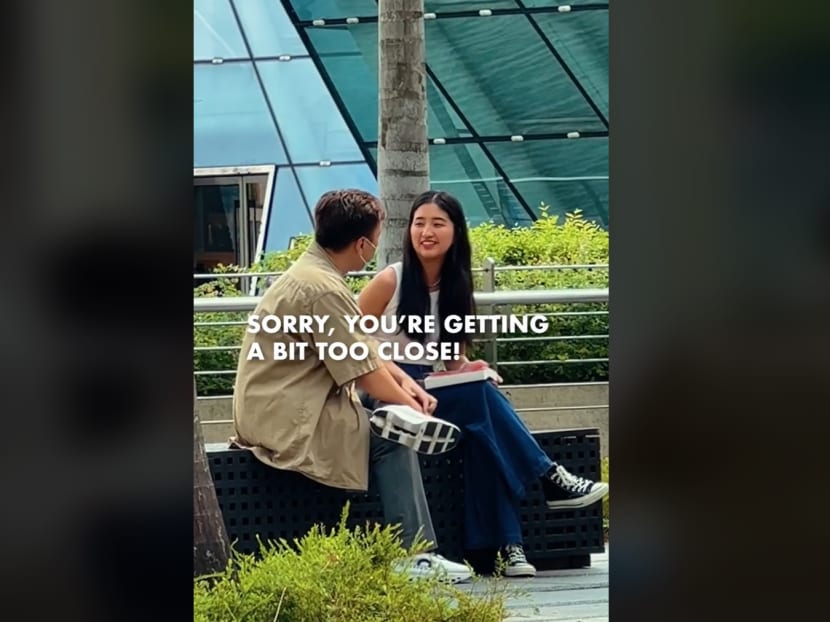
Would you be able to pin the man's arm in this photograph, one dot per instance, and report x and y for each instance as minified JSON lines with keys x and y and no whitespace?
{"x":397,"y":373}
{"x":381,"y":385}
{"x":428,"y":403}
{"x":372,"y":301}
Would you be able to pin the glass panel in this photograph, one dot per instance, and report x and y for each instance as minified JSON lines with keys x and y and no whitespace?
{"x":548,"y":3}
{"x":514,"y":88}
{"x":350,"y":57}
{"x":311,"y":9}
{"x":564,"y":174}
{"x":446,"y":6}
{"x":316,"y":180}
{"x":311,"y":125}
{"x":215,"y":233}
{"x":231,"y":124}
{"x":442,"y":120}
{"x":269,"y":31}
{"x":314,"y":9}
{"x":288,"y":216}
{"x":353,"y":40}
{"x":215,"y":32}
{"x":465,"y":172}
{"x":581,"y":39}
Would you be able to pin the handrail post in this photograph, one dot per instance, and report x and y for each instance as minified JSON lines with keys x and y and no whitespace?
{"x":491,"y":346}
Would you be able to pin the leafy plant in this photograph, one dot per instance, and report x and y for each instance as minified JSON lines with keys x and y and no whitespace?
{"x":345,"y":575}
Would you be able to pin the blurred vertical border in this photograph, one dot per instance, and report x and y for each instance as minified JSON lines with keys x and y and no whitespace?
{"x":97,"y":325}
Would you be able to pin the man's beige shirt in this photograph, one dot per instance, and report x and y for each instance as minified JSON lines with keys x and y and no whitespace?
{"x":304,"y":415}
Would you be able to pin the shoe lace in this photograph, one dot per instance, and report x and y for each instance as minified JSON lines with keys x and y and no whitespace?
{"x":571,"y":482}
{"x":515,"y":554}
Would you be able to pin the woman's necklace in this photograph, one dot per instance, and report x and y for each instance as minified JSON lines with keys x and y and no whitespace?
{"x":434,"y":285}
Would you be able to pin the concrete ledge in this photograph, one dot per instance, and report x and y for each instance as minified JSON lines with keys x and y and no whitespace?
{"x":541,"y":407}
{"x":560,"y":406}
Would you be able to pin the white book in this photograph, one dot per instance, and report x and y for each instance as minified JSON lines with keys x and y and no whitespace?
{"x":439,"y":379}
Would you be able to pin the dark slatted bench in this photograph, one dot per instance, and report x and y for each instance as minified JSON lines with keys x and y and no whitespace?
{"x":256,"y":499}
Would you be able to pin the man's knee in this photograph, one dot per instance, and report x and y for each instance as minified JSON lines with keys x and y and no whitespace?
{"x":394,"y":454}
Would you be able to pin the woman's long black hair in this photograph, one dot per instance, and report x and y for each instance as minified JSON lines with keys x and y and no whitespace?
{"x":456,"y":290}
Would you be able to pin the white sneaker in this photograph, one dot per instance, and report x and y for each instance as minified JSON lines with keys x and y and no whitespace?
{"x":405,"y":425}
{"x":430,"y":564}
{"x":517,"y":564}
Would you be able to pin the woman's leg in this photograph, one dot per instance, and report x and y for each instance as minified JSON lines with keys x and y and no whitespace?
{"x":486,"y":416}
{"x":491,"y":511}
{"x":481,"y":410}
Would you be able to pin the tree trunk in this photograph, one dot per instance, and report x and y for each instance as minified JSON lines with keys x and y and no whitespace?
{"x":210,"y":542}
{"x":403,"y":160}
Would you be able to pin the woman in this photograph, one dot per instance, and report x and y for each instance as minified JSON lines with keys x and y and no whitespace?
{"x":502,"y":459}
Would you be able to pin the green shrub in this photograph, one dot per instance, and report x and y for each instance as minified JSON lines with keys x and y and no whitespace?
{"x":550,"y":240}
{"x":345,"y":575}
{"x":207,"y":335}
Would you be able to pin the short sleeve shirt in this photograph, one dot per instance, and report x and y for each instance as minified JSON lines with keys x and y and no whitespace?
{"x":304,"y":414}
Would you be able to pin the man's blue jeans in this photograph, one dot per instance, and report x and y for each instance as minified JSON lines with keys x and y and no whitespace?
{"x":501,"y":459}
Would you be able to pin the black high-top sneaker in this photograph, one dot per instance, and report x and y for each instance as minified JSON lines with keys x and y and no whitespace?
{"x":516,"y":562}
{"x":564,"y":490}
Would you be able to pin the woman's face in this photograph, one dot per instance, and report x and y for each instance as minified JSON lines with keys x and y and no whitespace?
{"x":431,"y":231}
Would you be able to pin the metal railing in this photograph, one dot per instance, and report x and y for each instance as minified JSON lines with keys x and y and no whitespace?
{"x":489,"y":301}
{"x":489,"y":266}
{"x":485,"y":299}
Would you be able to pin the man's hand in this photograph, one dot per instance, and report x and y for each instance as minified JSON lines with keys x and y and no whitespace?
{"x":427,"y":401}
{"x":382,"y":386}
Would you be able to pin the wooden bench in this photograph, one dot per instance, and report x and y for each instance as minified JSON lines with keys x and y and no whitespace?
{"x":259,"y":500}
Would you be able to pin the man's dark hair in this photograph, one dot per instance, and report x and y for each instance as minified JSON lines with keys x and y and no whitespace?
{"x":343,"y":216}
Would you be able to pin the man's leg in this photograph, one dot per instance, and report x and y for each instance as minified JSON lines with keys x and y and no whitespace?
{"x":397,"y":473}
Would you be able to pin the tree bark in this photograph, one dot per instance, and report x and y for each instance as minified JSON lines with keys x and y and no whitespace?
{"x":210,"y":541}
{"x":403,"y":159}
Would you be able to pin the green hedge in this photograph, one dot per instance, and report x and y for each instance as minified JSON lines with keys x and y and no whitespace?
{"x":551,"y":240}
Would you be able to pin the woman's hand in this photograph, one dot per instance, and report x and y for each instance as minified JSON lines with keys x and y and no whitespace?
{"x":477,"y":365}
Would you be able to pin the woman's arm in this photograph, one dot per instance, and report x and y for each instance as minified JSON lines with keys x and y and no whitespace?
{"x":372,"y":301}
{"x":377,"y":294}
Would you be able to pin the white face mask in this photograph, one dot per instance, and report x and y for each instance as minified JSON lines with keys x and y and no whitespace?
{"x":366,"y":261}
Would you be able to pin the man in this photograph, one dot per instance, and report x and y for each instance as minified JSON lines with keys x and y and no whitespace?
{"x":305,"y":415}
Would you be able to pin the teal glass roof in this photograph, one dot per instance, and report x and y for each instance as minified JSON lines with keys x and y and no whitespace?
{"x":520,"y":97}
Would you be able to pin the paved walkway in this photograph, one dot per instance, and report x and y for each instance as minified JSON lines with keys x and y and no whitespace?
{"x":563,"y":595}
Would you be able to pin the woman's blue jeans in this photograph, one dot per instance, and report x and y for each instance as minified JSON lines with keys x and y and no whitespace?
{"x":501,"y":459}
